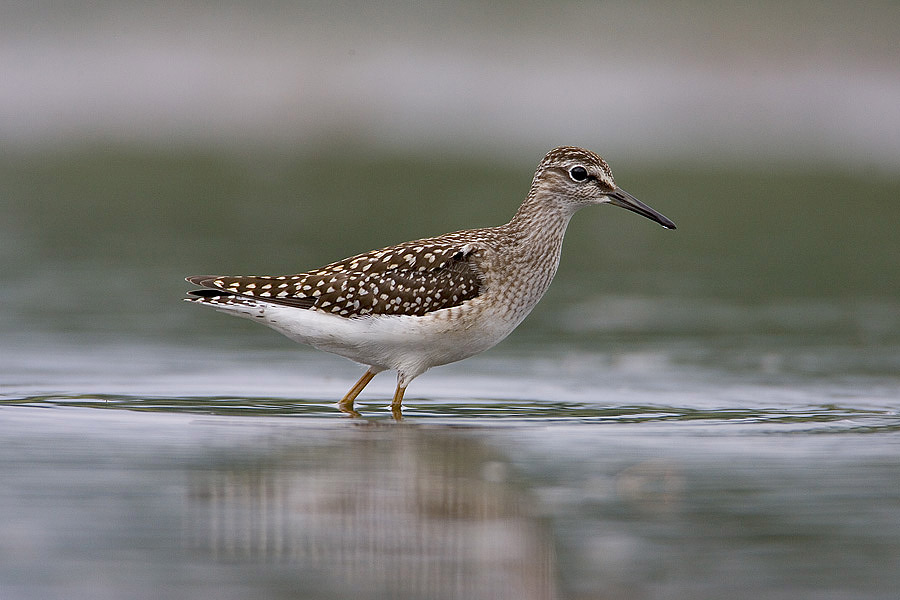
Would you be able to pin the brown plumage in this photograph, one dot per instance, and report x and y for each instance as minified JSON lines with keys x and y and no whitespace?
{"x":413,"y":278}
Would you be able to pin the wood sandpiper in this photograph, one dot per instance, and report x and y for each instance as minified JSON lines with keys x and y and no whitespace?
{"x":432,"y":301}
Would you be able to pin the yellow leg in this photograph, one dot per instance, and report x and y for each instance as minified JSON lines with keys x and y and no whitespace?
{"x":346,"y":403}
{"x":397,"y":402}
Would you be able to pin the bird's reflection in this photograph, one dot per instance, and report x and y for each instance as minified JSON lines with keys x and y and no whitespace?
{"x":392,"y":512}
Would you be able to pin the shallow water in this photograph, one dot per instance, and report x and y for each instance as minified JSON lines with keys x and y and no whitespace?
{"x":706,"y":413}
{"x":542,"y":471}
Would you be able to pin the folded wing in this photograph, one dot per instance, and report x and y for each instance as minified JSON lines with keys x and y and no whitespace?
{"x":413,"y":278}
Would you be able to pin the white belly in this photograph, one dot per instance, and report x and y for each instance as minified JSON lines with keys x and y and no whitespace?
{"x":406,"y":343}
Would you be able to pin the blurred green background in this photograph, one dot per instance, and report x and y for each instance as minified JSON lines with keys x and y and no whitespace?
{"x":100,"y":239}
{"x":141,"y":143}
{"x":711,"y":408}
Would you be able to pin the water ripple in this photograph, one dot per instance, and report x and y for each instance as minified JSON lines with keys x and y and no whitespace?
{"x":823,"y":418}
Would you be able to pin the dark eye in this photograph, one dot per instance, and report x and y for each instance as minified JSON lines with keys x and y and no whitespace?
{"x":578,"y":173}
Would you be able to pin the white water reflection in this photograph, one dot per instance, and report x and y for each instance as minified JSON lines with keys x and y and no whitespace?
{"x":113,"y":504}
{"x":392,"y":514}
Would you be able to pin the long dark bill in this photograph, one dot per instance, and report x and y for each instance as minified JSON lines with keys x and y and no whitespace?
{"x":625,"y":200}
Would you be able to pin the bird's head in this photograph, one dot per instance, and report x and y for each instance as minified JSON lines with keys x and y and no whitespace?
{"x":575,"y":177}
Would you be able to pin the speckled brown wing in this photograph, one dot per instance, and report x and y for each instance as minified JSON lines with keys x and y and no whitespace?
{"x":413,"y":278}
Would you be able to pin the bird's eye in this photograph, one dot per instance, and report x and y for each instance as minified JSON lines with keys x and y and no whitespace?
{"x":578,"y":173}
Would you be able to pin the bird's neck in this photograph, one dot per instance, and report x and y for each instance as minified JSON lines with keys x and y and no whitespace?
{"x":537,"y":231}
{"x":541,"y":217}
{"x":531,"y":249}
